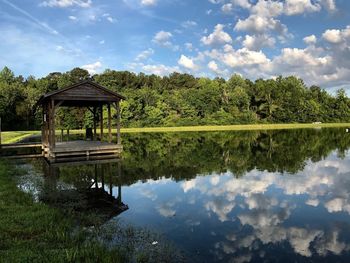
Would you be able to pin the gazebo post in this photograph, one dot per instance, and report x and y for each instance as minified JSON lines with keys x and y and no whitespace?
{"x":53,"y":123}
{"x":118,"y":123}
{"x":109,"y":123}
{"x":94,"y":113}
{"x":101,"y":122}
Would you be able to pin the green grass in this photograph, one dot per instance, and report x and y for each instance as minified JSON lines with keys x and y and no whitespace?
{"x":15,"y":136}
{"x":240,"y":127}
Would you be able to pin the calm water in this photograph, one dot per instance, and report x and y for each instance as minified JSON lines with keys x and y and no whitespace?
{"x":222,"y":197}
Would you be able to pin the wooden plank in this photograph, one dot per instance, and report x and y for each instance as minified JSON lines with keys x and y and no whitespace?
{"x":84,"y":161}
{"x":21,"y":145}
{"x":23,"y":156}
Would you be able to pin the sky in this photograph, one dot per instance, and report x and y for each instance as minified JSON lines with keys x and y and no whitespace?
{"x":209,"y":38}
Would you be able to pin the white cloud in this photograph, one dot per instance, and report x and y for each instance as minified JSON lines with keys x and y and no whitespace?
{"x":101,"y":42}
{"x":242,"y":3}
{"x":159,"y":69}
{"x":219,"y":36}
{"x":145,"y":54}
{"x":257,"y":42}
{"x":73,"y":18}
{"x":93,"y":68}
{"x":261,"y":24}
{"x":188,"y":185}
{"x":187,"y":62}
{"x":296,"y":7}
{"x":66,"y":3}
{"x":310,"y":40}
{"x":213,"y":66}
{"x":333,"y":36}
{"x":148,"y":2}
{"x":227,"y":8}
{"x":267,"y":8}
{"x":163,"y":38}
{"x":244,"y":57}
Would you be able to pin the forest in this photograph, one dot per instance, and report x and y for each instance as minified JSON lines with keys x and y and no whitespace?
{"x":179,"y":99}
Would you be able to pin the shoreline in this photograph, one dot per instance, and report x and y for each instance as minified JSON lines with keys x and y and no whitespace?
{"x":15,"y":136}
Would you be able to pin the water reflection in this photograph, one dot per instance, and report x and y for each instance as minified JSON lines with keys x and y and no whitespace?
{"x":92,"y":188}
{"x":233,"y":196}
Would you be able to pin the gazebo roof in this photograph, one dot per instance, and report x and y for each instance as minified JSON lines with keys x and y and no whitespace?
{"x":85,"y":93}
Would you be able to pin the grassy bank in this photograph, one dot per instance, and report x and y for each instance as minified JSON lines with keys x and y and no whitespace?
{"x":35,"y":232}
{"x":15,"y":136}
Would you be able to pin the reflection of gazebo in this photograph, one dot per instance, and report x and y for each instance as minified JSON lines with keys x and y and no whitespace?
{"x":92,"y":192}
{"x":84,"y":94}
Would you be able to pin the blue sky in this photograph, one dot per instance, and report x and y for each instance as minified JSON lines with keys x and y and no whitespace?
{"x":254,"y":38}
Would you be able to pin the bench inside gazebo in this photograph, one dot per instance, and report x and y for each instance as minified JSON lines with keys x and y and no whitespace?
{"x":84,"y":94}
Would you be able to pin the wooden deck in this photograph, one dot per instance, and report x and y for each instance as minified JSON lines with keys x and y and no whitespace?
{"x":82,"y":148}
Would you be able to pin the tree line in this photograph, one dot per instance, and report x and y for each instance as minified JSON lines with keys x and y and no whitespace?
{"x":175,"y":100}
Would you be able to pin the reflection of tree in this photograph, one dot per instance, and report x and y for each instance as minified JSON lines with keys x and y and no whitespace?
{"x":184,"y":155}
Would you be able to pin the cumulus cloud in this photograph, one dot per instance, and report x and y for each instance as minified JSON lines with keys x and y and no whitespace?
{"x":219,"y":36}
{"x":93,"y":68}
{"x":261,"y":24}
{"x":336,"y":36}
{"x":66,"y":3}
{"x":310,"y":39}
{"x":257,"y":42}
{"x":213,"y":66}
{"x":239,"y":58}
{"x":187,"y":62}
{"x":163,"y":38}
{"x":296,"y":7}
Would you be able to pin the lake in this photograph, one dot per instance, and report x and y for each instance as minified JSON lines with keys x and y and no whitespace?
{"x":250,"y":196}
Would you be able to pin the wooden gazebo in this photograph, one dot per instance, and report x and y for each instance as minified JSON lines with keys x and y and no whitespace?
{"x":84,"y":94}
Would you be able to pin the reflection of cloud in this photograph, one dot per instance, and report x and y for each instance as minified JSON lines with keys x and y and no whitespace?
{"x":166,"y":210}
{"x":149,"y":194}
{"x":188,"y":185}
{"x":215,"y":179}
{"x":324,"y":183}
{"x":261,"y":218}
{"x":337,"y":205}
{"x":312,"y":202}
{"x":221,"y":208}
{"x":331,"y":243}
